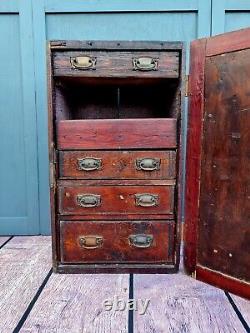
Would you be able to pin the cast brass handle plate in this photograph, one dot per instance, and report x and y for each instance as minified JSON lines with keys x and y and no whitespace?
{"x":146,"y":200}
{"x":91,"y":241}
{"x":147,"y":164}
{"x":141,"y":240}
{"x":88,"y":200}
{"x":89,"y":164}
{"x":145,"y":64}
{"x":83,"y":63}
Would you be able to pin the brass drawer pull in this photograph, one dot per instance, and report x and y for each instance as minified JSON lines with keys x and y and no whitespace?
{"x":83,"y":63}
{"x":89,"y":164}
{"x":91,"y":241}
{"x":141,"y":240}
{"x":147,"y":164}
{"x":145,"y":64}
{"x":146,"y":200}
{"x":88,"y":200}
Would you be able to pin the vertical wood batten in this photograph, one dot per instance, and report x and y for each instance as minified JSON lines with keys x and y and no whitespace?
{"x":39,"y":31}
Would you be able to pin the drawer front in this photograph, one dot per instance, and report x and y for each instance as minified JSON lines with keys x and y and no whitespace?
{"x":85,"y":200}
{"x":117,"y":164}
{"x":117,"y":134}
{"x":116,"y":64}
{"x":117,"y":241}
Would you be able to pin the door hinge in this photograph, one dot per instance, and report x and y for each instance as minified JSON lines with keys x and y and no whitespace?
{"x":53,"y":168}
{"x":186,"y":85}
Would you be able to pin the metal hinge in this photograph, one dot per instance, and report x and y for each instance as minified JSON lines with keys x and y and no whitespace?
{"x":186,"y":85}
{"x":52,"y":168}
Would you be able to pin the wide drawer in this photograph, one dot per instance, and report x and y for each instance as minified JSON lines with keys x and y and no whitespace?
{"x":117,"y":164}
{"x":157,"y":64}
{"x":145,"y":133}
{"x":87,"y":199}
{"x":117,"y":241}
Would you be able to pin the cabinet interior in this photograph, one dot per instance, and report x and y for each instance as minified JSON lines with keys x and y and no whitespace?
{"x":116,"y":99}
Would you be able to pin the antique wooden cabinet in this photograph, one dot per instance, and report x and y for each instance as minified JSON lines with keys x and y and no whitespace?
{"x":115,"y":123}
{"x":115,"y":112}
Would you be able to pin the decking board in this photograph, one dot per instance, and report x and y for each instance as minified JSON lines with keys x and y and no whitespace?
{"x":24,"y":263}
{"x":73,"y":303}
{"x":244,"y":307}
{"x":182,"y":304}
{"x":3,"y":239}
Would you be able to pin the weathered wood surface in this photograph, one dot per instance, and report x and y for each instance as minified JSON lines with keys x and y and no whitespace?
{"x":244,"y":307}
{"x":116,"y":64}
{"x":115,"y":243}
{"x":24,"y":263}
{"x":74,"y":303}
{"x":179,"y":303}
{"x":3,"y":239}
{"x":115,"y":199}
{"x":117,"y":164}
{"x":116,"y":134}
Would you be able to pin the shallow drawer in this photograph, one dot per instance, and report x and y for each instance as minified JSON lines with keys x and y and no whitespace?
{"x":115,"y":199}
{"x":117,"y":241}
{"x":117,"y":164}
{"x":157,"y":64}
{"x":117,"y":134}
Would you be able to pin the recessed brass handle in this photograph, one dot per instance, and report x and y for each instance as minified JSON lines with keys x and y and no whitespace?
{"x":88,"y":200}
{"x":89,"y":164}
{"x":147,"y":164}
{"x":91,"y":241}
{"x":83,"y":63}
{"x":145,"y":64}
{"x":146,"y":200}
{"x":141,"y":240}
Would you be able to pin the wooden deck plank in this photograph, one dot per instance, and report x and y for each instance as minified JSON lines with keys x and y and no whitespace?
{"x":24,"y":263}
{"x":179,"y":303}
{"x":74,"y":303}
{"x":244,"y":307}
{"x":3,"y":239}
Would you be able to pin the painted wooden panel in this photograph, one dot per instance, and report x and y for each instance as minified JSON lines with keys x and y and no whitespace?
{"x":229,"y":15}
{"x":18,"y":168}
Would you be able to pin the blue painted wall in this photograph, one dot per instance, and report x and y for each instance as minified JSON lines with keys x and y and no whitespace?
{"x":25,"y":25}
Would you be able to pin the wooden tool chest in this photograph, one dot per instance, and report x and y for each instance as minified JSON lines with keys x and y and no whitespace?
{"x":114,"y":141}
{"x":115,"y":112}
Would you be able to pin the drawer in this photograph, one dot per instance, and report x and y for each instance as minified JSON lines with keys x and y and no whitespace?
{"x":114,"y":199}
{"x":117,"y":134}
{"x":117,"y":164}
{"x":117,"y":241}
{"x":155,"y":64}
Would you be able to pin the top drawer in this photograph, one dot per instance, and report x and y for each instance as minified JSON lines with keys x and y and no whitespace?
{"x":156,"y":64}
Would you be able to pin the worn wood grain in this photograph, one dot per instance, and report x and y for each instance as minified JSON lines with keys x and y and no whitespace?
{"x":244,"y":307}
{"x":116,"y":134}
{"x":3,"y":239}
{"x":193,"y":155}
{"x":74,"y":303}
{"x":117,"y":164}
{"x":116,"y":199}
{"x":181,"y":304}
{"x":24,"y":264}
{"x":117,"y":64}
{"x":115,"y":244}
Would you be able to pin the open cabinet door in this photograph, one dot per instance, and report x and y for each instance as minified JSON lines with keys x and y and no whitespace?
{"x":217,"y":222}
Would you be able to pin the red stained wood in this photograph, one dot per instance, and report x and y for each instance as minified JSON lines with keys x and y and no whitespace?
{"x":222,"y":281}
{"x":117,"y":134}
{"x":117,"y":64}
{"x":117,"y":165}
{"x":228,"y":42}
{"x":193,"y":161}
{"x":114,"y":199}
{"x":116,"y":246}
